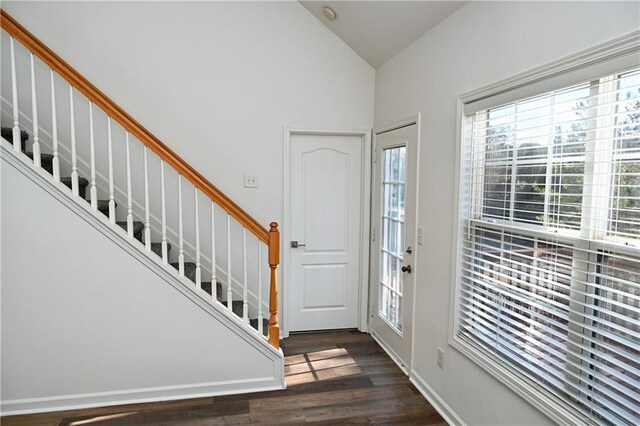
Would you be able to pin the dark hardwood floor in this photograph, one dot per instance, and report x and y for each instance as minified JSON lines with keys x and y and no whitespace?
{"x":340,"y":377}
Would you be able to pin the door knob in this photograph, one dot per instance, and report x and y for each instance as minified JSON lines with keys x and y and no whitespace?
{"x":295,"y":244}
{"x":406,"y":269}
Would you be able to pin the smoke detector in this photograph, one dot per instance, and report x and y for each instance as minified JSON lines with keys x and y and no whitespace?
{"x":329,"y":13}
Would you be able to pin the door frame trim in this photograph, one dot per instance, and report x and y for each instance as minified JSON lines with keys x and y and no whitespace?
{"x":365,"y":217}
{"x":415,"y":118}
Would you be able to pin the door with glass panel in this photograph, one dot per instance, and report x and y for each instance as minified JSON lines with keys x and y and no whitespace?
{"x":394,"y":222}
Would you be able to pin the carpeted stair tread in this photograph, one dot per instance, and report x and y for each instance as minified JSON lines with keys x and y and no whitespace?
{"x":236,"y":307}
{"x":157,"y":248}
{"x":265,"y":325}
{"x":103,"y":206}
{"x":82,"y":185}
{"x":189,"y":270}
{"x":7,"y":133}
{"x":138,"y":226}
{"x":206,"y":286}
{"x":46,"y":160}
{"x":82,"y":182}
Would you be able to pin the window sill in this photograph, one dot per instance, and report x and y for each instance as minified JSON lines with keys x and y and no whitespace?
{"x":557,"y":410}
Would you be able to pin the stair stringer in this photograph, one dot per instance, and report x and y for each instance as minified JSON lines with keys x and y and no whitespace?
{"x":33,"y":394}
{"x":84,"y":169}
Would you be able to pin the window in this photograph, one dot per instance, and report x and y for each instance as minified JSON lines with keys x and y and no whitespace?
{"x":549,"y":281}
{"x":394,"y":181}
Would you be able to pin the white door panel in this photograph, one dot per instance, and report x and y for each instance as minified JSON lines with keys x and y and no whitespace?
{"x":394,"y":219}
{"x":326,"y":185}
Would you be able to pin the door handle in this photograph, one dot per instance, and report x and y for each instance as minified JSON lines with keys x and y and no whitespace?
{"x":406,"y":269}
{"x":295,"y":244}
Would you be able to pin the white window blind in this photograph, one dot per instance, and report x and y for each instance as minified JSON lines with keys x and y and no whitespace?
{"x":550,"y":260}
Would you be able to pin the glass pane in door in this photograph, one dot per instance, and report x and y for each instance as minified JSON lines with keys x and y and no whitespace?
{"x":392,"y":238}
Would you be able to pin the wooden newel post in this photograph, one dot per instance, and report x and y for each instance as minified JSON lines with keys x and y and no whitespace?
{"x":274,"y":261}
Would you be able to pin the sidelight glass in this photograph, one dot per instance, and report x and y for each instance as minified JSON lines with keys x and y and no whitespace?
{"x":394,"y":176}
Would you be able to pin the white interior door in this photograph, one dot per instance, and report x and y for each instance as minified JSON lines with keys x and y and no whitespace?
{"x":324,"y":247}
{"x":394,"y":223}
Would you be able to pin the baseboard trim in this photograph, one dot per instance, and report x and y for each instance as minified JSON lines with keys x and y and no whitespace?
{"x":136,"y":396}
{"x":435,"y":400}
{"x":392,"y":354}
{"x":427,"y":392}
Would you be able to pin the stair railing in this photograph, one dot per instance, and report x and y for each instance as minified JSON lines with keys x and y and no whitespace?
{"x":97,"y":99}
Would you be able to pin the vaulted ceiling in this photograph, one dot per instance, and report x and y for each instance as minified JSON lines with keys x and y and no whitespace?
{"x":378,"y":30}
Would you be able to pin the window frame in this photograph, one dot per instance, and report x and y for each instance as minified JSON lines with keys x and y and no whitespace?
{"x":614,"y":56}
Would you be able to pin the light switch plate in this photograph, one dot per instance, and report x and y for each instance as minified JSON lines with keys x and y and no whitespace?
{"x":250,"y":181}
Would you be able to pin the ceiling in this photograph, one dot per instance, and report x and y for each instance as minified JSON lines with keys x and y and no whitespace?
{"x":378,"y":30}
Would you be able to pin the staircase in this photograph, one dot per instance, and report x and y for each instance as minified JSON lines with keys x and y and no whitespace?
{"x":46,"y":161}
{"x":69,"y":151}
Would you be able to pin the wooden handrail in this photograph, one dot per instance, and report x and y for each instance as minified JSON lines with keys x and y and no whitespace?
{"x":73,"y":77}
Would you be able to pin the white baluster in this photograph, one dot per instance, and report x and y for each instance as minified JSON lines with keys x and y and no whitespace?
{"x":245,"y":305}
{"x":129,"y":197}
{"x":34,"y":109}
{"x":260,"y":327}
{"x":165,"y":249}
{"x":229,"y":279}
{"x":93,"y":192}
{"x":147,"y":226}
{"x":112,"y":200}
{"x":54,"y":131}
{"x":17,"y":140}
{"x":198,"y":272}
{"x":74,"y":160}
{"x":180,"y":233}
{"x":214,"y":281}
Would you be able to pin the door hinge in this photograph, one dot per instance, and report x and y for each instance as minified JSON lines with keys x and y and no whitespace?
{"x":373,"y":234}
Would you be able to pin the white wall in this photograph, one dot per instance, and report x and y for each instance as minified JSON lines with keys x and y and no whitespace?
{"x":85,"y":322}
{"x":480,"y":44}
{"x":220,"y":100}
{"x":215,"y":81}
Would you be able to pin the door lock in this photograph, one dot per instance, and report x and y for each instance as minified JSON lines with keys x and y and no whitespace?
{"x":295,"y":244}
{"x":406,"y":269}
{"x":409,"y":250}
